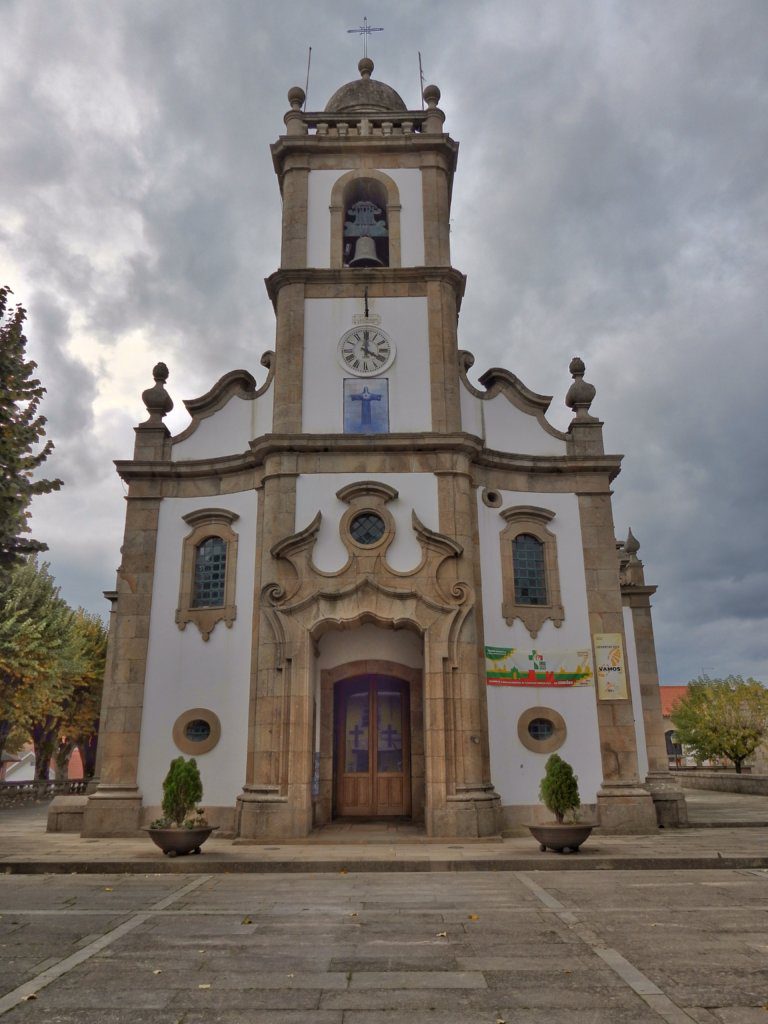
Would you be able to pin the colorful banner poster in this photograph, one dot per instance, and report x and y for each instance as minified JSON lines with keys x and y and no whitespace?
{"x":611,"y":674}
{"x":512,"y":666}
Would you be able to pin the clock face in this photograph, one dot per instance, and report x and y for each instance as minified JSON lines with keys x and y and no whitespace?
{"x":366,"y":351}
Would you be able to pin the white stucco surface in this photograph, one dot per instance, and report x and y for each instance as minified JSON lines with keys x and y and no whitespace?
{"x":471,"y":412}
{"x":515,"y":770}
{"x":637,"y":702}
{"x":228,"y":431}
{"x":509,"y":429}
{"x":185,"y":672}
{"x":405,"y":320}
{"x":408,"y":181}
{"x":416,"y":492}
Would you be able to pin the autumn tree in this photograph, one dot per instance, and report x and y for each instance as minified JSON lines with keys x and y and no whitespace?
{"x":21,"y":431}
{"x":78,"y":724}
{"x":37,"y":648}
{"x":722,"y":717}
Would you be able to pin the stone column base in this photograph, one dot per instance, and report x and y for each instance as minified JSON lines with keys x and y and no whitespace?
{"x":471,"y":811}
{"x":112,"y":811}
{"x":628,"y":809}
{"x":263,"y":813}
{"x":668,"y":799}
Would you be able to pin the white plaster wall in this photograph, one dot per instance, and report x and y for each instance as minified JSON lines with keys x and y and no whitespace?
{"x":634,"y":686}
{"x":471,"y":412}
{"x":185,"y":672}
{"x":408,"y":181}
{"x":228,"y":431}
{"x":416,"y":492}
{"x":508,"y":429}
{"x":405,"y":320}
{"x":515,"y":770}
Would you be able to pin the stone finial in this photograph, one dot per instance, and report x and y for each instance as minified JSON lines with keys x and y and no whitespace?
{"x":296,"y":97}
{"x":157,"y":400}
{"x":365,"y":67}
{"x":580,"y":394}
{"x":431,"y":96}
{"x":632,"y":545}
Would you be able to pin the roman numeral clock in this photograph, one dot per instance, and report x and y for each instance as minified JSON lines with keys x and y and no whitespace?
{"x":366,"y":351}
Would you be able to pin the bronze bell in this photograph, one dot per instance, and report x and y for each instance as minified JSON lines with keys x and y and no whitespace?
{"x":365,"y":253}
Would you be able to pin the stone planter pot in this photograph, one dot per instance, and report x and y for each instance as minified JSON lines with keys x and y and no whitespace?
{"x":178,"y":842}
{"x":565,"y":838}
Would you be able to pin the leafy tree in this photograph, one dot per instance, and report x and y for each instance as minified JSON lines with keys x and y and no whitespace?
{"x":559,"y":789}
{"x":21,"y":428}
{"x":722,"y":717}
{"x":35,"y":647}
{"x":79,"y":725}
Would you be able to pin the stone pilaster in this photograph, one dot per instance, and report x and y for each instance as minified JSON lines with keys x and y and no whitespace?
{"x":668,"y":797}
{"x":623,"y":805}
{"x":115,"y":807}
{"x":276,"y":798}
{"x":461,"y":799}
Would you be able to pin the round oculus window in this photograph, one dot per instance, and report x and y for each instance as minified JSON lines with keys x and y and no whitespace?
{"x":541,"y":729}
{"x":367,"y":528}
{"x":198,"y":730}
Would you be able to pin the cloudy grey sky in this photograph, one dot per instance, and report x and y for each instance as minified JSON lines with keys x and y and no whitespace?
{"x":611,"y":201}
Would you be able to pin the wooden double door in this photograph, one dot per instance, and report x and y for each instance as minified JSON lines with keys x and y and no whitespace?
{"x":372,"y":747}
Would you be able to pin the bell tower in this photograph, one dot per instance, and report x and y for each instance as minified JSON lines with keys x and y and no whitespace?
{"x":366,"y":188}
{"x":366,"y":415}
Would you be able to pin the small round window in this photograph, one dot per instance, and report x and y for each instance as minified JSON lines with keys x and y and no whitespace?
{"x":198,"y":730}
{"x":367,"y":528}
{"x":541,"y":729}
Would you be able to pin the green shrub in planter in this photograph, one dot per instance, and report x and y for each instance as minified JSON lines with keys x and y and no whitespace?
{"x":559,"y":789}
{"x":182,"y":790}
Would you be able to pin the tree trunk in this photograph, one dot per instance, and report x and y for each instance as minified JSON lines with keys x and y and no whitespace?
{"x":87,"y":747}
{"x":44,"y":738}
{"x":61,"y":760}
{"x":5,"y":732}
{"x":738,"y":761}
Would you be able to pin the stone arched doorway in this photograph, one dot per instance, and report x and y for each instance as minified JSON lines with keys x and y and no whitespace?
{"x":375,"y":791}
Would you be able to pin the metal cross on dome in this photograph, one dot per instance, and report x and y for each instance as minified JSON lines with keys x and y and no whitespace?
{"x":365,"y":30}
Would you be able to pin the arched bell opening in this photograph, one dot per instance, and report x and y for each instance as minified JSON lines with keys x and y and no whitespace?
{"x":369,"y":724}
{"x":366,"y":224}
{"x":351,"y":223}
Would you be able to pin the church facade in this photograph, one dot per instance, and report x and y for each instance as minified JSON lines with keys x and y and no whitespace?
{"x":368,"y":588}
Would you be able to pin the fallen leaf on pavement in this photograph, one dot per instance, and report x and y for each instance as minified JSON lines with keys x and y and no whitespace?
{"x":32,"y":995}
{"x":473,"y":917}
{"x":204,"y":985}
{"x":157,"y":972}
{"x":246,"y":920}
{"x":441,"y":935}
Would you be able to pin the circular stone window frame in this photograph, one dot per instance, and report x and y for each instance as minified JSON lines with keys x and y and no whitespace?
{"x":553,"y":742}
{"x":345,"y":527}
{"x":187,"y":746}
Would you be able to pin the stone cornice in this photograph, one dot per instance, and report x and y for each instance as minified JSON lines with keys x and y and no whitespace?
{"x":442,"y":446}
{"x":360,"y":277}
{"x":305,"y":147}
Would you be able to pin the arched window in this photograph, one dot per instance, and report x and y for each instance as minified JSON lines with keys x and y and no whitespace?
{"x":530,"y":573}
{"x":208,"y":570}
{"x":210,"y":573}
{"x":366,"y":231}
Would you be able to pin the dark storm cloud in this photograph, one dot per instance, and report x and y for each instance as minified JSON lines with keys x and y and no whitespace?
{"x":610,"y":200}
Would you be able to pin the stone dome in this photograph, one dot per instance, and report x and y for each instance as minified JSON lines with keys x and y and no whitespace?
{"x":365,"y":95}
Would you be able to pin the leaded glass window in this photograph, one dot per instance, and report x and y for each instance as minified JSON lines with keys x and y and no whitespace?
{"x":530,"y":575}
{"x":367,"y":528}
{"x":210,"y":573}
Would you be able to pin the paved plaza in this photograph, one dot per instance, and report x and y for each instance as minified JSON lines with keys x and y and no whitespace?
{"x":625,"y":947}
